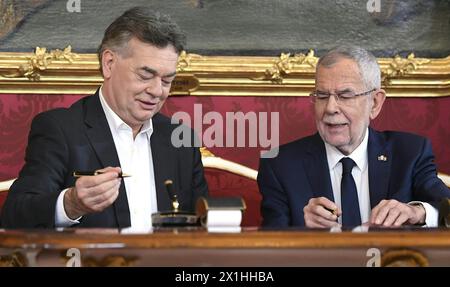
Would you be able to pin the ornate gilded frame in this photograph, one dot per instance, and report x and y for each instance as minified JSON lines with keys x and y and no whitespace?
{"x":67,"y":72}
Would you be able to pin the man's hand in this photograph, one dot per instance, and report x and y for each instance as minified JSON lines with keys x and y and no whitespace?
{"x":319,"y":213}
{"x":394,"y":213}
{"x":92,"y":193}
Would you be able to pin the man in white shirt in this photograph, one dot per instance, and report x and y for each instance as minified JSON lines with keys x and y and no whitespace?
{"x":116,"y":130}
{"x":349,"y":174}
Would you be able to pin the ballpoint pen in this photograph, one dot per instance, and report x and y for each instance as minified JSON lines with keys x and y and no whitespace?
{"x":333,"y":211}
{"x":92,"y":173}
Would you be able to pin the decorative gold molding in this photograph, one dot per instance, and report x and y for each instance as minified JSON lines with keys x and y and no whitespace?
{"x":16,"y":259}
{"x":40,"y":61}
{"x":404,"y":258}
{"x":399,"y":66}
{"x":66,"y":72}
{"x":54,"y":72}
{"x":286,"y":64}
{"x":110,"y":261}
{"x":206,"y":152}
{"x":184,"y":60}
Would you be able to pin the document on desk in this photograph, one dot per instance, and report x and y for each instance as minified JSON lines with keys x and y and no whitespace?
{"x":223,"y":220}
{"x":221,"y":214}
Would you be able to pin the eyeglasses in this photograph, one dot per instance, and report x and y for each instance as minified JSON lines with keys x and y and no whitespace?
{"x":345,"y":97}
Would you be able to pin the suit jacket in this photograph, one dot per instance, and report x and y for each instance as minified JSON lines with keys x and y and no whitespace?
{"x":300,"y":172}
{"x":79,"y":138}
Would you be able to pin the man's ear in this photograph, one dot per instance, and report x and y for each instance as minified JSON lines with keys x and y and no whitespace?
{"x":108,"y":59}
{"x":377,"y":103}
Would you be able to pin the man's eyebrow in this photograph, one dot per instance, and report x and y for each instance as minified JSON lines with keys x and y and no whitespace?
{"x":154,"y":72}
{"x":148,"y":70}
{"x":345,"y":90}
{"x":173,"y":74}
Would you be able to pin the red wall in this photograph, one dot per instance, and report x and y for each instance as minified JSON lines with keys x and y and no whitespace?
{"x":428,"y":117}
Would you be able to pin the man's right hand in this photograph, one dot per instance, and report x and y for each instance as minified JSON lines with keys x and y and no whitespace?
{"x":92,"y":193}
{"x":318,"y":213}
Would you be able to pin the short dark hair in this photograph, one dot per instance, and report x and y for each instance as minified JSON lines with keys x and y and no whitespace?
{"x":149,"y":27}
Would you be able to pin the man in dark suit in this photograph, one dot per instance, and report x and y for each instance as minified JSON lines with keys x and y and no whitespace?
{"x":116,"y":130}
{"x":349,"y":174}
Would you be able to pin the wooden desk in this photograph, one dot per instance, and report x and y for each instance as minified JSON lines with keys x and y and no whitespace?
{"x":251,"y":247}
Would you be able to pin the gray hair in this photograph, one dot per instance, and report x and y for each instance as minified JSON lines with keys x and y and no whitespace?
{"x":147,"y":26}
{"x":366,"y":61}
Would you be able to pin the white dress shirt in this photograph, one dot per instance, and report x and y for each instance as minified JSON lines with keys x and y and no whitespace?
{"x":360,"y":174}
{"x":136,"y":159}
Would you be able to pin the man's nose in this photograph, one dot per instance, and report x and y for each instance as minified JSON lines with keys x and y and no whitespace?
{"x":332,"y":105}
{"x":155,"y":88}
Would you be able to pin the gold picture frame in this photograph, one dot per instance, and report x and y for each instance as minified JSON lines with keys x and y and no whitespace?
{"x":66,"y":72}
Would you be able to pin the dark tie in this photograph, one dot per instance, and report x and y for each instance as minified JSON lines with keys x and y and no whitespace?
{"x":349,"y":195}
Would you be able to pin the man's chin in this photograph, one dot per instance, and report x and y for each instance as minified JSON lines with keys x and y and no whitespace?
{"x":147,"y":115}
{"x":337,"y":142}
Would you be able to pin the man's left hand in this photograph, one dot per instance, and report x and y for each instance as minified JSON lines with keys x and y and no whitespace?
{"x":394,"y":213}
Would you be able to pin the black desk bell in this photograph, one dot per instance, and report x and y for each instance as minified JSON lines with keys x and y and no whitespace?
{"x":175,"y":217}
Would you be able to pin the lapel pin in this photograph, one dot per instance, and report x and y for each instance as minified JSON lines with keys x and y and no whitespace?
{"x":382,"y":157}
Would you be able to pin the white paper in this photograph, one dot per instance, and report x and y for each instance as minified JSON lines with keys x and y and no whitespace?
{"x":223,"y":218}
{"x":136,"y":230}
{"x":361,"y":229}
{"x":224,"y":229}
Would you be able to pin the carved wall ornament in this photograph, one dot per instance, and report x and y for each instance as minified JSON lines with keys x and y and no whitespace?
{"x":40,"y":61}
{"x":285,"y":65}
{"x":292,"y":76}
{"x":398,"y":67}
{"x":110,"y":261}
{"x":403,"y":258}
{"x":16,"y":259}
{"x":184,"y":60}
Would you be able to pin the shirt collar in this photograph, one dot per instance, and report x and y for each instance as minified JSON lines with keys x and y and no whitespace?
{"x":359,"y":155}
{"x":116,"y":123}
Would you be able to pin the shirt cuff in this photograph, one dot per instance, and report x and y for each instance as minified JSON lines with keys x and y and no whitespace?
{"x":431,"y":213}
{"x":61,"y":218}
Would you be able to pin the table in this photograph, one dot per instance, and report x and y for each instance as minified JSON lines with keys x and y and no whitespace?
{"x":250,"y":247}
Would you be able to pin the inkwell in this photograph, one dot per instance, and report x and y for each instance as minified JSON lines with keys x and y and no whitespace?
{"x":174,"y":217}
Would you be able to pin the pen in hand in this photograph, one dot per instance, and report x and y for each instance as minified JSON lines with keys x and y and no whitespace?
{"x":333,"y":211}
{"x":92,"y":173}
